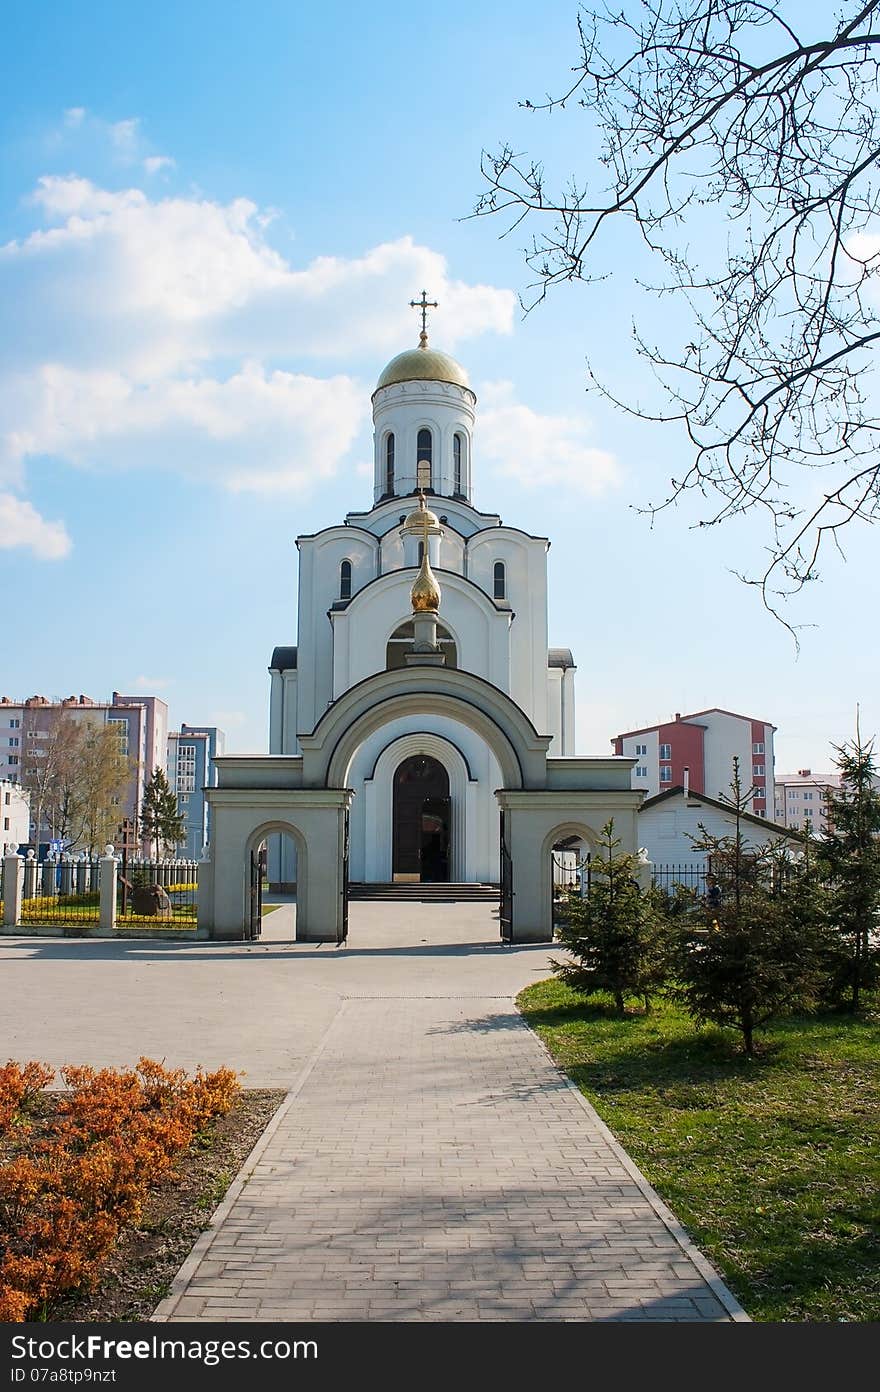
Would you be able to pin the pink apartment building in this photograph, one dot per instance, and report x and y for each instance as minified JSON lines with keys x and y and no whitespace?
{"x":142,"y":722}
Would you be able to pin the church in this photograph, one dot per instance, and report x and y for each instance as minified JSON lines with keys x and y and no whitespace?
{"x":421,"y":729}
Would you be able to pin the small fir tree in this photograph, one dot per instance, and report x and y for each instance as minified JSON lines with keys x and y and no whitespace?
{"x":750,"y":952}
{"x":851,"y":854}
{"x":161,"y":820}
{"x":615,"y":932}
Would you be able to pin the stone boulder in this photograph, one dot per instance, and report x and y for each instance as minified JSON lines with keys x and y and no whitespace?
{"x":151,"y":901}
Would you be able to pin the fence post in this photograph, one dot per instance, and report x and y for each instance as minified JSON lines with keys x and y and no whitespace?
{"x":47,"y":888}
{"x":644,"y":871}
{"x":13,"y":878}
{"x":30,"y":876}
{"x":108,"y":891}
{"x":204,"y":872}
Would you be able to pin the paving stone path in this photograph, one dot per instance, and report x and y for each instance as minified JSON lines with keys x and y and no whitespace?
{"x":429,"y":1163}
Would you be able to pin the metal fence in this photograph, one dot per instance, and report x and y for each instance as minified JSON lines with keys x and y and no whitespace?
{"x":62,"y":891}
{"x":67,"y":891}
{"x":156,"y":893}
{"x":668,"y":877}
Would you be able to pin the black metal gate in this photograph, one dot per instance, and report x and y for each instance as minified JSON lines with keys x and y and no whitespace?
{"x":255,"y":918}
{"x":570,"y":874}
{"x":505,"y":906}
{"x":345,"y":842}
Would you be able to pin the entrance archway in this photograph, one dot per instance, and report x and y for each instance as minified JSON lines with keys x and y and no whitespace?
{"x":568,"y":856}
{"x":275,"y":871}
{"x":422,"y":820}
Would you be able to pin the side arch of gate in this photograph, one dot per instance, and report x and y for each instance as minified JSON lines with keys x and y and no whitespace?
{"x":253,"y":872}
{"x":242,"y":818}
{"x":562,"y":869}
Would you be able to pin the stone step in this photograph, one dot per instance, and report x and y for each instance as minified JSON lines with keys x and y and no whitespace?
{"x":430,"y":891}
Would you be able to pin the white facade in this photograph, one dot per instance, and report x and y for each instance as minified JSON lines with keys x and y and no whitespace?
{"x":16,"y":813}
{"x":669,"y":824}
{"x":355,"y":580}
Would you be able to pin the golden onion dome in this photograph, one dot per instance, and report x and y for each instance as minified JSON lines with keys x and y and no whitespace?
{"x":423,"y":364}
{"x":423,"y":519}
{"x":425,"y":593}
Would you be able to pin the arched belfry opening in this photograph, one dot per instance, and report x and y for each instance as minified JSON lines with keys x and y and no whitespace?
{"x":403,"y":637}
{"x":422,"y":821}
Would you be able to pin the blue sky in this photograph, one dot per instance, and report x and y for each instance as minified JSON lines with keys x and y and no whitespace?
{"x":211,"y":219}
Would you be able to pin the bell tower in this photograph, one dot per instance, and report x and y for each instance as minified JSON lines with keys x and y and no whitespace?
{"x":423,"y":420}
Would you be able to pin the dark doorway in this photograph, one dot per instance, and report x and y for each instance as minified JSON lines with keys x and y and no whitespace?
{"x":422,"y":820}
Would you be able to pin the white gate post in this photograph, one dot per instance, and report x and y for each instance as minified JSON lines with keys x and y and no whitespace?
{"x":13,"y":885}
{"x":644,"y":870}
{"x":108,"y":891}
{"x":205,"y":893}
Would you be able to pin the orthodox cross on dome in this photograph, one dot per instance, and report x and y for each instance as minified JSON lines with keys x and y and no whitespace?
{"x":424,"y":518}
{"x":424,"y":304}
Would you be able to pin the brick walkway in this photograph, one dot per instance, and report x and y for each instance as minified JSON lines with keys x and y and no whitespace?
{"x":430,"y":1163}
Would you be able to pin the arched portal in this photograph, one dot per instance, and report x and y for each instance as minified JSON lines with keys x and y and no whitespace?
{"x":422,"y":820}
{"x":275,"y":871}
{"x":568,"y":854}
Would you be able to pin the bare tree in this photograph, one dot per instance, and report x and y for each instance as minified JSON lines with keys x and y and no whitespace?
{"x":744,"y":152}
{"x":103,"y":774}
{"x":49,"y":763}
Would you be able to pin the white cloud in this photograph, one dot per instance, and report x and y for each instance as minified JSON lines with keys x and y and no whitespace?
{"x":74,"y":116}
{"x":155,"y":163}
{"x":22,"y":525}
{"x":537,"y":450}
{"x":168,"y":332}
{"x":159,"y":284}
{"x":255,"y":430}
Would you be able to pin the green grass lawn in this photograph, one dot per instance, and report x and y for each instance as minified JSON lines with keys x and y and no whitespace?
{"x":773,"y":1164}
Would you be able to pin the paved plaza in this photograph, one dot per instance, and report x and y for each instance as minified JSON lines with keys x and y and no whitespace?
{"x":429,"y":1162}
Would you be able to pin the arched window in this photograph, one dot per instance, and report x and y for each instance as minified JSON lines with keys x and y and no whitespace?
{"x":421,"y":552}
{"x":456,"y":462}
{"x":389,"y":464}
{"x":425,"y":456}
{"x":500,"y":581}
{"x":402,"y":639}
{"x":345,"y":580}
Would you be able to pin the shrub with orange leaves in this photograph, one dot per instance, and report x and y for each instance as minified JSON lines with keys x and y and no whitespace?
{"x":116,"y":1133}
{"x":19,"y":1085}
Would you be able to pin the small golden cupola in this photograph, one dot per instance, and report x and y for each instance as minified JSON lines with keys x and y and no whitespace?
{"x":425,"y":593}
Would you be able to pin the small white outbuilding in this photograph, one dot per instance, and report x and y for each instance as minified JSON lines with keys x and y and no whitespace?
{"x":669,"y":823}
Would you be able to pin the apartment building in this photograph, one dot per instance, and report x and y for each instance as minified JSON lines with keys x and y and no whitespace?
{"x":142,"y":723}
{"x":15,"y":811}
{"x":190,"y":767}
{"x":697,"y":751}
{"x":800,"y":798}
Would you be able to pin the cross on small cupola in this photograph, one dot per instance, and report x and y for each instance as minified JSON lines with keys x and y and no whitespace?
{"x":424,"y":304}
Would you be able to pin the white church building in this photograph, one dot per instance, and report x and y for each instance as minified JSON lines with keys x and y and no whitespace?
{"x":421,"y":729}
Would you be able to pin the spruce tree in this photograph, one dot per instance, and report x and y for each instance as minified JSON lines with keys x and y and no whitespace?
{"x":161,"y":821}
{"x":615,"y":931}
{"x":752,"y":953}
{"x":851,"y":853}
